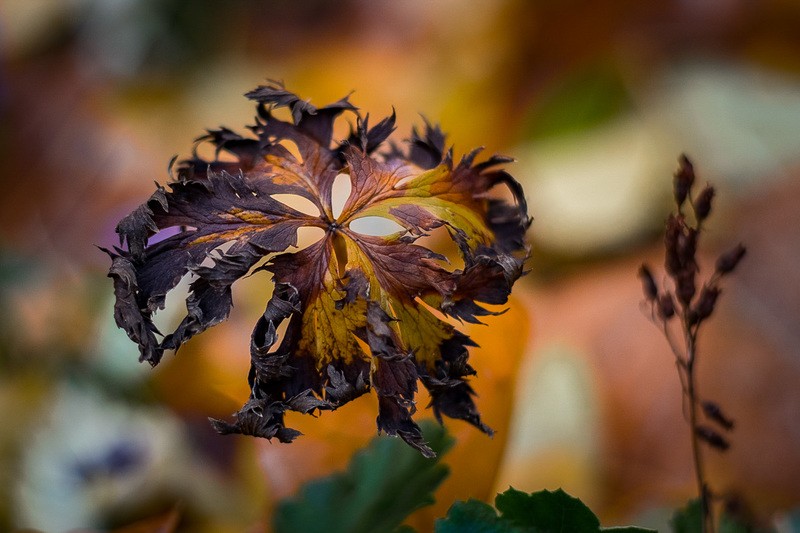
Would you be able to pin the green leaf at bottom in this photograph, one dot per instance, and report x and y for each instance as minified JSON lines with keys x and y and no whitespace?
{"x":383,"y":484}
{"x":539,"y":512}
{"x":474,"y":516}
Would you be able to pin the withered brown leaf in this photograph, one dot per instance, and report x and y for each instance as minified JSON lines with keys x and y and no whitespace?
{"x":360,"y":310}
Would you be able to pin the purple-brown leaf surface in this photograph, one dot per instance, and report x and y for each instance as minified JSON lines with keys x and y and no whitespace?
{"x":360,"y":310}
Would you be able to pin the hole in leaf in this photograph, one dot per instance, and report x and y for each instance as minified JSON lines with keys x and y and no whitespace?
{"x":503,"y":192}
{"x":226,"y":156}
{"x":340,"y":192}
{"x":434,"y":311}
{"x":401,"y":183}
{"x":209,"y":151}
{"x":298,"y":203}
{"x":280,"y":332}
{"x":375,"y":226}
{"x":293,"y":149}
{"x":211,"y":257}
{"x":206,"y":150}
{"x":167,"y":319}
{"x":308,"y":235}
{"x":363,"y":345}
{"x":281,"y":113}
{"x":438,"y":240}
{"x":340,"y":251}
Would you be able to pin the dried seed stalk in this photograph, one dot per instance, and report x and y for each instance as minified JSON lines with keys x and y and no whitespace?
{"x":691,"y":305}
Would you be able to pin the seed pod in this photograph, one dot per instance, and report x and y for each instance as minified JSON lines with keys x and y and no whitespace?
{"x":687,"y":248}
{"x":684,"y":179}
{"x":674,"y":230}
{"x":712,"y":437}
{"x":666,"y":306}
{"x":727,"y":262}
{"x":706,"y":301}
{"x":685,"y":286}
{"x":648,"y":283}
{"x":714,"y":412}
{"x":692,"y":317}
{"x":702,"y":206}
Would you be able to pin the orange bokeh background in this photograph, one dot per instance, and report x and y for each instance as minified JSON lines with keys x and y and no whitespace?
{"x":594,"y":98}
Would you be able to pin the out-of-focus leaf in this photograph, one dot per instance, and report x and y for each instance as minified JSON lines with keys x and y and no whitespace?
{"x":790,"y":522}
{"x":540,"y":512}
{"x":474,"y":516}
{"x":732,"y":524}
{"x":382,"y":485}
{"x":585,"y":99}
{"x":546,"y":510}
{"x":688,"y":519}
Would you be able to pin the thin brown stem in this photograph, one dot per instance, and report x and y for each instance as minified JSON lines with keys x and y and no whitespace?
{"x":691,"y":392}
{"x":680,"y":358}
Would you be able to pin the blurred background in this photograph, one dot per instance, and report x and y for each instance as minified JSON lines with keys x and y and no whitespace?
{"x":594,"y":98}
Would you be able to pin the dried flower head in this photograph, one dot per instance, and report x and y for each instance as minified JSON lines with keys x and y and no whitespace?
{"x":648,"y":283}
{"x":361,"y":310}
{"x":683,"y":181}
{"x":702,"y":205}
{"x":665,"y":307}
{"x":727,"y":262}
{"x":714,"y":412}
{"x":712,"y":438}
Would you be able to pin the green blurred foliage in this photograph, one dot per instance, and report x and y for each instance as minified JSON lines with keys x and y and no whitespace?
{"x":383,"y":484}
{"x":583,"y":100}
{"x":538,"y":512}
{"x":689,"y":519}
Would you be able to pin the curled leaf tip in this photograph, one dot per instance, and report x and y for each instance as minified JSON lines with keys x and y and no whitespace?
{"x":361,"y":312}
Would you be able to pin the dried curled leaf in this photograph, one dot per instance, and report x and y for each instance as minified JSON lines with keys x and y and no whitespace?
{"x":360,"y":310}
